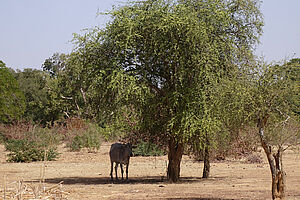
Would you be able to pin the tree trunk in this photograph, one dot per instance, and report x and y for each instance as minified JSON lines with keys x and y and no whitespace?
{"x":275,"y":163}
{"x":206,"y":168}
{"x":278,"y":179}
{"x":174,"y":156}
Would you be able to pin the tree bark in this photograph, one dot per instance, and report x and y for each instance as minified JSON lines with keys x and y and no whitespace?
{"x":276,"y":166}
{"x":278,"y":179}
{"x":206,"y":168}
{"x":174,"y":156}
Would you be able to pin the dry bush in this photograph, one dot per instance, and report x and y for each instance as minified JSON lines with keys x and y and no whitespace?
{"x":254,"y":158}
{"x":244,"y":143}
{"x":78,"y":133}
{"x":17,"y":130}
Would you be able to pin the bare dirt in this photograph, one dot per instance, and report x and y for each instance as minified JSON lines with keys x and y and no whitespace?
{"x":85,"y":175}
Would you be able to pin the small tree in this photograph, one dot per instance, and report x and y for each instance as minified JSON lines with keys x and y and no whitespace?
{"x":273,"y":114}
{"x":264,"y":97}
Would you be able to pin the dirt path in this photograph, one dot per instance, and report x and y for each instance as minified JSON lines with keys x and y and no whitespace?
{"x":86,"y":176}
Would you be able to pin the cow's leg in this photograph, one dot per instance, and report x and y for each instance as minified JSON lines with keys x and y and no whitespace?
{"x":122,"y":171}
{"x":127,"y":165}
{"x":116,"y":170}
{"x":111,"y":170}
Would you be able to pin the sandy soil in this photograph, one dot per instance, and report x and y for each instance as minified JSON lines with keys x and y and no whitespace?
{"x":86,"y":176}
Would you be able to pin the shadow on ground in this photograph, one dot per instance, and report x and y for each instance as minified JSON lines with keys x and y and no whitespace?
{"x":134,"y":180}
{"x":196,"y":198}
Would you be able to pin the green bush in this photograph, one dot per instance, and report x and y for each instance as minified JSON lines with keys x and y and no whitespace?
{"x":76,"y":144}
{"x":27,"y":142}
{"x":111,"y":132}
{"x":28,"y":151}
{"x":148,"y":149}
{"x":89,"y":138}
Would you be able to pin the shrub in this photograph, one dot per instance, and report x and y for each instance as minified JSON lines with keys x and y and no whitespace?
{"x":236,"y":144}
{"x":89,"y":138}
{"x":28,"y":143}
{"x":147,"y":149}
{"x":28,"y":151}
{"x":110,"y":133}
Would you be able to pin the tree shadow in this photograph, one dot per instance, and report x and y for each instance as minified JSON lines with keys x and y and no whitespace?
{"x":197,"y":198}
{"x":133,"y":180}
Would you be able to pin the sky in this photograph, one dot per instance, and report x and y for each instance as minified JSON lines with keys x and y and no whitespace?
{"x":33,"y":30}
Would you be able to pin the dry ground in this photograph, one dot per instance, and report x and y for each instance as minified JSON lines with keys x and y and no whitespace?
{"x":86,"y":176}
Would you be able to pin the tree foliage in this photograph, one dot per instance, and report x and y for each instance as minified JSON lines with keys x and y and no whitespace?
{"x":265,"y":97}
{"x":40,"y":103}
{"x":294,"y":76}
{"x":11,"y":98}
{"x":272,"y":110}
{"x":180,"y":50}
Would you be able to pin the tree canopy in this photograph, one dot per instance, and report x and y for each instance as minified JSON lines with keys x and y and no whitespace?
{"x":41,"y":100}
{"x":178,"y":50}
{"x":11,"y":98}
{"x":265,"y":97}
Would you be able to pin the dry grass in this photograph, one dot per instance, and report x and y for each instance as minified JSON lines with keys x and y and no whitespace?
{"x":30,"y":190}
{"x":22,"y":190}
{"x":82,"y":175}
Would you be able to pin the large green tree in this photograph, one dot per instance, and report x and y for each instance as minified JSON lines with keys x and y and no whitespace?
{"x":180,"y":49}
{"x":11,"y":98}
{"x":67,"y":84}
{"x":90,"y":86}
{"x":37,"y":86}
{"x":65,"y":91}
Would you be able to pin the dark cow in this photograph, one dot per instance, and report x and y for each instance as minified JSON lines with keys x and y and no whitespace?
{"x":120,"y":154}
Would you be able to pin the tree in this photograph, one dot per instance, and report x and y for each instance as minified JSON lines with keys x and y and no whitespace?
{"x":295,"y":77}
{"x":64,"y":84}
{"x":274,"y":115}
{"x":11,"y":98}
{"x":62,"y":73}
{"x":180,"y":49}
{"x":263,"y":97}
{"x":55,"y":64}
{"x":40,"y":102}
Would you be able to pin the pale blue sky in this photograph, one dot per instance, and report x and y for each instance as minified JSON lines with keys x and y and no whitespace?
{"x":32,"y":30}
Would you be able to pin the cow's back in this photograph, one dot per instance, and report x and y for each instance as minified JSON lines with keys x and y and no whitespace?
{"x":117,"y":153}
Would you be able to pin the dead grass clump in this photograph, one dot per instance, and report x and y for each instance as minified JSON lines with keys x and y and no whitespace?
{"x":254,"y":158}
{"x":22,"y":190}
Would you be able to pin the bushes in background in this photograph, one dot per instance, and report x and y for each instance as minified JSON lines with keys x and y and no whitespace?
{"x":29,"y":151}
{"x":147,"y":149}
{"x":239,"y":144}
{"x":89,"y":137}
{"x":79,"y":133}
{"x":29,"y":143}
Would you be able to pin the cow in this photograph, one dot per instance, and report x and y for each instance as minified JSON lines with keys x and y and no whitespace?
{"x":120,"y":154}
